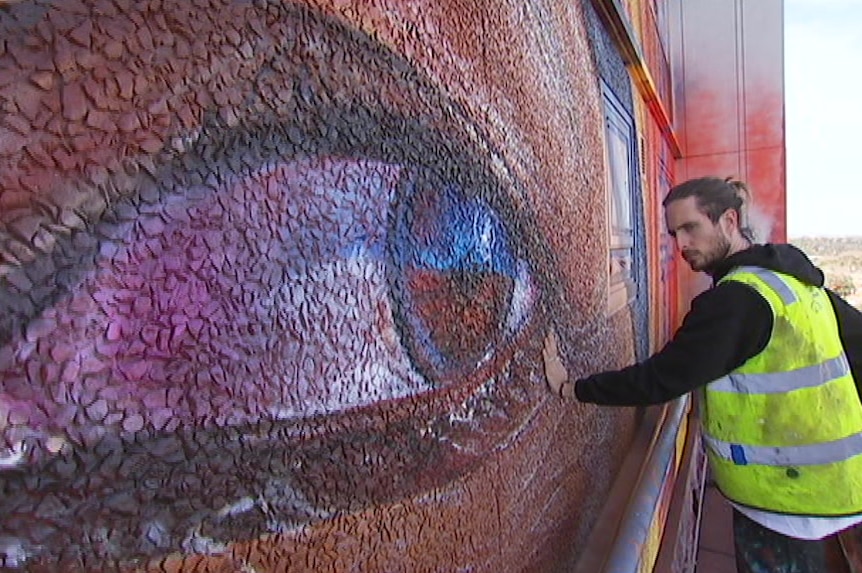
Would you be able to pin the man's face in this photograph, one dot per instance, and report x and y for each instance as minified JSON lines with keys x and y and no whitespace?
{"x":701,"y":242}
{"x":273,"y":283}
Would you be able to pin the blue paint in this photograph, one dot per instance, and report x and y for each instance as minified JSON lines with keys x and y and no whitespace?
{"x":738,"y":455}
{"x":454,"y":232}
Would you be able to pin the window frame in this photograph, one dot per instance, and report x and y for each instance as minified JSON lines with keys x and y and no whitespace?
{"x":620,"y":194}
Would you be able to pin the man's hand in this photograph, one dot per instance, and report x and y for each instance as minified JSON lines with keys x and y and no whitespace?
{"x":555,"y":372}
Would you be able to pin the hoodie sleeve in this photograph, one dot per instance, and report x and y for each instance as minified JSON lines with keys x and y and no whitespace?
{"x":850,"y":330}
{"x":726,"y":326}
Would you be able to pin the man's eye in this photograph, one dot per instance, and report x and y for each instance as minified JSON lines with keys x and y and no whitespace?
{"x":459,"y":287}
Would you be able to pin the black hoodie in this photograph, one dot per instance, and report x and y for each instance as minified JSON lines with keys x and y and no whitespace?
{"x":727,"y":325}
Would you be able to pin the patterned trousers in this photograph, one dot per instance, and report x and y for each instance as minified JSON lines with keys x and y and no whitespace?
{"x":761,"y":550}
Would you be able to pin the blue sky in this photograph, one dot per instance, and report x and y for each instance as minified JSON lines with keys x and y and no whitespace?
{"x":823,"y":99}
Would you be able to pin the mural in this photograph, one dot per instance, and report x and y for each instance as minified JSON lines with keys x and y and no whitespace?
{"x":274,"y":281}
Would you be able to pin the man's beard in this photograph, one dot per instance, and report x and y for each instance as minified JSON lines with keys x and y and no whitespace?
{"x":707,"y":260}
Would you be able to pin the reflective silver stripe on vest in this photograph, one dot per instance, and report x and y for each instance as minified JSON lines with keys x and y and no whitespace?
{"x":811,"y":455}
{"x":779,"y":382}
{"x":773,"y":280}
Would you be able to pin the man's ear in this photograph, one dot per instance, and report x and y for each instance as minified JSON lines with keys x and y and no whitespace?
{"x":732,"y":219}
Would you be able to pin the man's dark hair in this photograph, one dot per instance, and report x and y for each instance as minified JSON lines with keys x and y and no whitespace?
{"x":715,"y":196}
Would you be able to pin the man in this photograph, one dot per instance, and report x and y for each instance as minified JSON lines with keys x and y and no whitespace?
{"x":776,"y":355}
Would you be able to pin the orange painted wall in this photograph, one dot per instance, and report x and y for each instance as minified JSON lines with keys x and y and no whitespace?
{"x":729,"y":103}
{"x":729,"y":81}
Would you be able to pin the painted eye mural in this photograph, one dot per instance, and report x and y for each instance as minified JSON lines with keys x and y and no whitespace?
{"x":269,"y":286}
{"x":454,"y":259}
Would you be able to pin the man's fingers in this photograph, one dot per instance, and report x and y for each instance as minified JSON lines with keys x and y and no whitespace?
{"x":550,"y":348}
{"x":555,"y":372}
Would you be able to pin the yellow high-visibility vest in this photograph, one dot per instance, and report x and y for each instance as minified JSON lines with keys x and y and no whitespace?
{"x":783,"y":432}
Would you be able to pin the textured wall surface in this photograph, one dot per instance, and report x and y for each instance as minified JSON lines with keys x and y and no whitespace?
{"x":274,"y":281}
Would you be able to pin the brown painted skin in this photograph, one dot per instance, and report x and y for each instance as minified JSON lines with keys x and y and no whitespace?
{"x":188,"y":354}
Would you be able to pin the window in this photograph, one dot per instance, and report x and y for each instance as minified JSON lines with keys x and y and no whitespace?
{"x":620,"y":185}
{"x":667,"y":263}
{"x":660,"y":11}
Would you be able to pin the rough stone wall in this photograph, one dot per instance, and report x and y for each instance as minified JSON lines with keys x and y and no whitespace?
{"x":274,"y":281}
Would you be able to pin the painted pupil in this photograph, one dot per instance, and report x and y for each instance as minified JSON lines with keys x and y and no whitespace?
{"x":461,"y":310}
{"x":457,"y":274}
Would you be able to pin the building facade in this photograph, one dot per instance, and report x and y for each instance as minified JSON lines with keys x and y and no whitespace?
{"x":275,"y":277}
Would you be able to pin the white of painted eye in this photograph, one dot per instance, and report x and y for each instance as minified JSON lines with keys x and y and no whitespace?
{"x":13,"y":553}
{"x":13,"y":456}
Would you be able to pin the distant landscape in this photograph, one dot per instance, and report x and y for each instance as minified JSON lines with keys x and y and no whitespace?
{"x":841,"y":261}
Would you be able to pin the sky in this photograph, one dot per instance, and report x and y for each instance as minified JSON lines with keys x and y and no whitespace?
{"x":823,"y":121}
